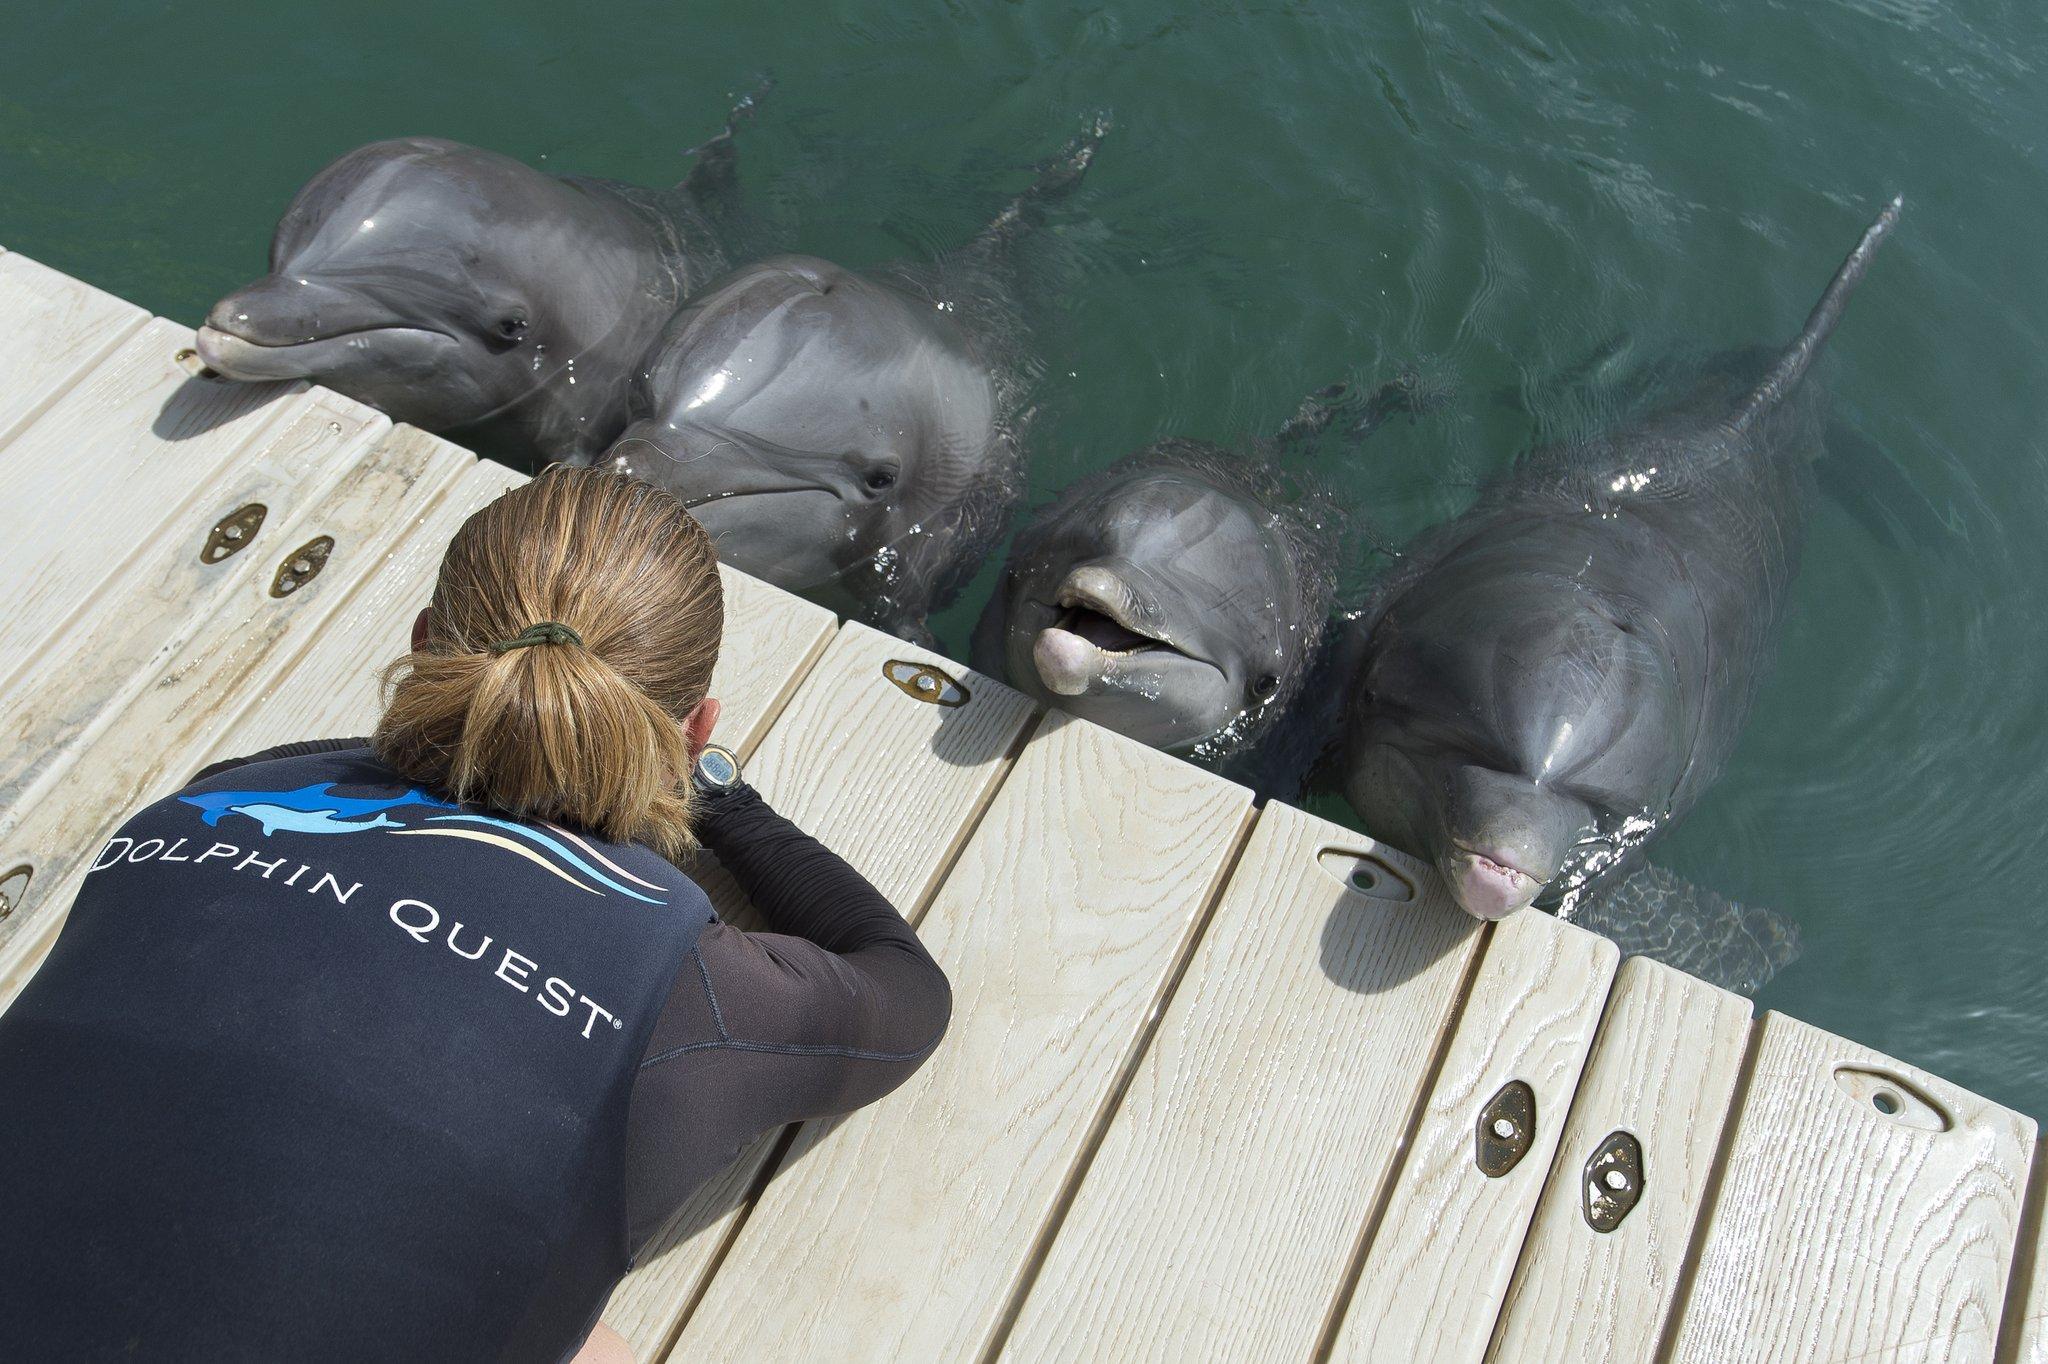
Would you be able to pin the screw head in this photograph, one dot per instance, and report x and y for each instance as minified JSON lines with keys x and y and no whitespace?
{"x":1503,"y":1128}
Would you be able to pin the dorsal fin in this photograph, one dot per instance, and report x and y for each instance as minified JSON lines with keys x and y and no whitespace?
{"x":1798,"y":357}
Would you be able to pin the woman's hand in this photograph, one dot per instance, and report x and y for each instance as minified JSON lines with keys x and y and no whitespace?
{"x":605,"y":1346}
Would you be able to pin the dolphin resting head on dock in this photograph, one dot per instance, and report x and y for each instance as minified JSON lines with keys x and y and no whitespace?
{"x":465,"y":292}
{"x":1551,"y":679}
{"x":853,"y":437}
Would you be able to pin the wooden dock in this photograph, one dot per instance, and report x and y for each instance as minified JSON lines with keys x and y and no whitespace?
{"x":1221,"y":1080}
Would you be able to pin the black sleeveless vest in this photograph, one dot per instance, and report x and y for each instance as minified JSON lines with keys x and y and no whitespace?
{"x":324,"y":1067}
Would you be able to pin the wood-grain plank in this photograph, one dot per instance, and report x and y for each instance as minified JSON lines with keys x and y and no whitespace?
{"x":332,"y":687}
{"x":897,"y":1233}
{"x":167,"y":729}
{"x":1839,"y":1232}
{"x":891,"y":783}
{"x":61,"y":691}
{"x":1439,"y":1264}
{"x":771,"y":639}
{"x":121,"y":454}
{"x":1663,"y":1069}
{"x":53,"y":329}
{"x":1219,"y":1216}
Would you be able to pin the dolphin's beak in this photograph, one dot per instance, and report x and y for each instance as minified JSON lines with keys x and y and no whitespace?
{"x":230,"y":355}
{"x":1505,"y":837}
{"x":705,"y":468}
{"x":276,"y":327}
{"x":1485,"y":888}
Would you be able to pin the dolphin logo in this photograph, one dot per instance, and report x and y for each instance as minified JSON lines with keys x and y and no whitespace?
{"x":275,"y":817}
{"x":307,"y":800}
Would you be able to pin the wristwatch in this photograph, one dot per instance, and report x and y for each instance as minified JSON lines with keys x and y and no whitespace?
{"x":716,"y":771}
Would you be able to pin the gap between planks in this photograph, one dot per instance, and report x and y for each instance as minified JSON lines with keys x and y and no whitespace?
{"x":1127,"y":1073}
{"x":779,"y":702}
{"x":1710,"y":1195}
{"x":1354,"y":1268}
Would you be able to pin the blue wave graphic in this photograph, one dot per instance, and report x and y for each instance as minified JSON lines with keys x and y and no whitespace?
{"x":553,"y":845}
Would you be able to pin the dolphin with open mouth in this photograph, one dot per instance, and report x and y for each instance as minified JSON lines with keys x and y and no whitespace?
{"x":1178,"y":597}
{"x":1183,"y":595}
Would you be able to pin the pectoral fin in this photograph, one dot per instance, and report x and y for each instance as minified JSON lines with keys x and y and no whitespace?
{"x":1878,"y":495}
{"x":1357,"y":413}
{"x":1655,"y":914}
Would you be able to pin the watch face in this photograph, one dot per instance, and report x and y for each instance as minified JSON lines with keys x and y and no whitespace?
{"x":717,"y":768}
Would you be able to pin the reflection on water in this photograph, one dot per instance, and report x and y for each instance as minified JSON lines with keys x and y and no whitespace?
{"x":1298,"y":194}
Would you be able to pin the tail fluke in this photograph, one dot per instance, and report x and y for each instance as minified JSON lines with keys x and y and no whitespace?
{"x":1798,"y":357}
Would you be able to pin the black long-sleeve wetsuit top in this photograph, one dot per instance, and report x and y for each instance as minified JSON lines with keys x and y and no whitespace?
{"x":836,"y":1006}
{"x":133,"y":1053}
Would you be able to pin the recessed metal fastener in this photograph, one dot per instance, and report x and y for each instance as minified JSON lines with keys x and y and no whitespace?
{"x":1614,"y":1180}
{"x":233,"y":532}
{"x":301,"y":566}
{"x":1507,"y":1129}
{"x":923,"y":682}
{"x":14,"y":888}
{"x":195,"y":365}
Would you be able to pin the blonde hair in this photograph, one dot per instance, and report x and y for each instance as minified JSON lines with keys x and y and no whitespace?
{"x":586,"y":729}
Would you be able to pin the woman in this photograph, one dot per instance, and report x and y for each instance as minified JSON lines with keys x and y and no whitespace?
{"x":401,"y":1048}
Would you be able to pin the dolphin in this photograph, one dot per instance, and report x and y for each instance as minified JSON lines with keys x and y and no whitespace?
{"x":275,"y":817}
{"x":850,"y":436}
{"x":1178,"y":597}
{"x":1551,"y":679}
{"x":469,"y":294}
{"x":313,"y":799}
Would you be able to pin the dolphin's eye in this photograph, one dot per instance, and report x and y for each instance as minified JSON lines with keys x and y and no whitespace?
{"x":880,"y":480}
{"x":1267,"y":684}
{"x":510,"y":328}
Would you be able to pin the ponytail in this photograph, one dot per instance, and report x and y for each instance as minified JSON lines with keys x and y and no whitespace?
{"x":573,"y":628}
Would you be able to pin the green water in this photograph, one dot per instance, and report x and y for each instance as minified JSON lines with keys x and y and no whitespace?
{"x":1296,"y":193}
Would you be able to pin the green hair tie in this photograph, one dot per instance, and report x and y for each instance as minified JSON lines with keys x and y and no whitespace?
{"x":547,"y":632}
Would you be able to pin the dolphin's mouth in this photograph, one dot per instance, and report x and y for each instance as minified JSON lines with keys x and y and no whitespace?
{"x":1095,"y":628}
{"x":648,"y":458}
{"x":1104,"y":620}
{"x":238,"y":357}
{"x":697,"y":502}
{"x":1106,"y":633}
{"x":1487,"y":887}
